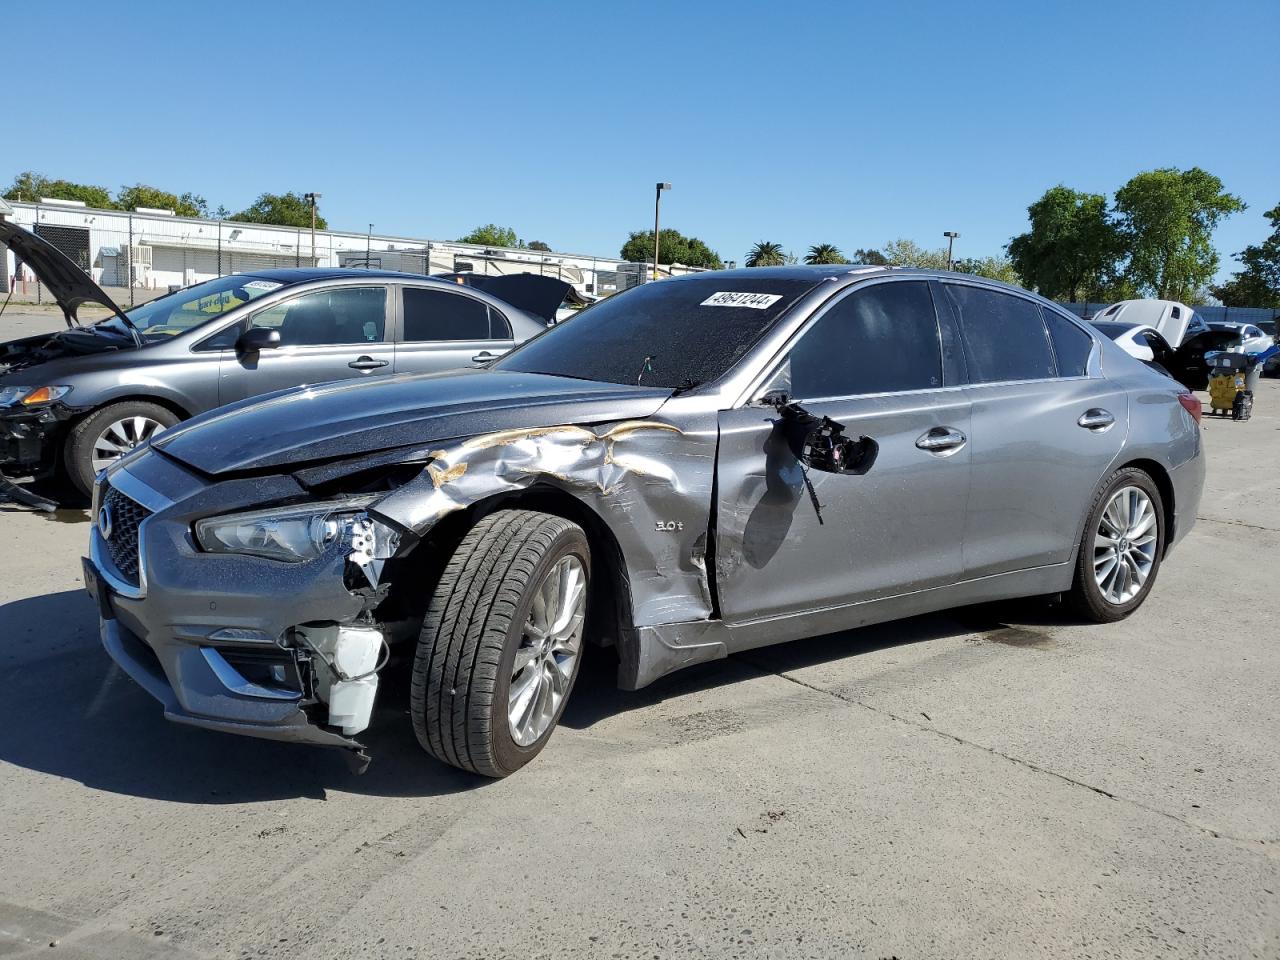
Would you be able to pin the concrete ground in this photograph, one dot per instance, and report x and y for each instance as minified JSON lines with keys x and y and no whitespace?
{"x":985,"y":783}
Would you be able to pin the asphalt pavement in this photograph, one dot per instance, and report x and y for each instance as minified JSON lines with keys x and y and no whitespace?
{"x":993,"y":782}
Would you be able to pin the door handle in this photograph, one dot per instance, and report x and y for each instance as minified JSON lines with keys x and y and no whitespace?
{"x":367,"y":363}
{"x":943,"y":441}
{"x":484,"y":356}
{"x":1096,"y":419}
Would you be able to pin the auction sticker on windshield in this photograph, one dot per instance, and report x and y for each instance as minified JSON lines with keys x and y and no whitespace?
{"x":755,"y":301}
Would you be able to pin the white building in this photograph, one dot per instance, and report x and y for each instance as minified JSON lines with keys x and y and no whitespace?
{"x":133,"y":252}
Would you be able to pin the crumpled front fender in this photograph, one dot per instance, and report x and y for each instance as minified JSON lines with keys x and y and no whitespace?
{"x":648,"y":480}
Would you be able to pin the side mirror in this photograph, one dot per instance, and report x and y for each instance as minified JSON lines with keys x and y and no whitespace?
{"x":258,"y":338}
{"x":819,"y":442}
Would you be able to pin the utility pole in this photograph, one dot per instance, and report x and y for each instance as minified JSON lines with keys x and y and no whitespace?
{"x":312,"y":198}
{"x":657,"y":206}
{"x":368,"y":248}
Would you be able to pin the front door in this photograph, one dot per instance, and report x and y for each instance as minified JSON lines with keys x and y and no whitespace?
{"x":792,"y":539}
{"x":336,"y":333}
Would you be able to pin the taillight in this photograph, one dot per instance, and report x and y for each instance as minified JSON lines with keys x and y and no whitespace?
{"x":1191,"y":403}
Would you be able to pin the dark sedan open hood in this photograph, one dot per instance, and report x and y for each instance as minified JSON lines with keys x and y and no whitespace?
{"x":70,"y":286}
{"x":351,"y":418}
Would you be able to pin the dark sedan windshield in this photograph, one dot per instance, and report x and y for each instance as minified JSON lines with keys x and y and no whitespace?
{"x":673,"y":333}
{"x":177,"y":312}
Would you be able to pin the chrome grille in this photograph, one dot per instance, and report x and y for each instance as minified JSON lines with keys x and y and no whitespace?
{"x":125,"y":518}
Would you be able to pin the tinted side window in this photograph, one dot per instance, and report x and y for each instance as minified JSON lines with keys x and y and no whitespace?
{"x":880,"y":340}
{"x":1071,"y":345}
{"x":340,"y":316}
{"x":1004,"y":337}
{"x":438,"y":315}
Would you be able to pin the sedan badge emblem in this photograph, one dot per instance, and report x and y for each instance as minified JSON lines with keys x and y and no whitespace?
{"x":104,"y":523}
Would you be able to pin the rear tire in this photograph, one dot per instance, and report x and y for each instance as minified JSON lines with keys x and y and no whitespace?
{"x":101,"y":432}
{"x":481,"y":637}
{"x":1121,"y":548}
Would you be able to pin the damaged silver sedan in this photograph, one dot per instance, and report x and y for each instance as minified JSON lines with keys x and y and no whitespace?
{"x":695,"y":467}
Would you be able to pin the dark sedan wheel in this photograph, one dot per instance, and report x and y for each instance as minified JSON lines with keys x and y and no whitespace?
{"x":1121,"y":549}
{"x":501,"y":643}
{"x":108,"y":434}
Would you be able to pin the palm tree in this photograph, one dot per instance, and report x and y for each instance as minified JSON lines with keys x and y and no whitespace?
{"x":765,"y":254}
{"x":825,"y":253}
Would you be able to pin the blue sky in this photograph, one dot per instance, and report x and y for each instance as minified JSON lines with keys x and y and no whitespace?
{"x":850,"y":123}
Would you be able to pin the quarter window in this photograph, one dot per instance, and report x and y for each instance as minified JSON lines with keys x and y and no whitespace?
{"x":1004,"y":336}
{"x":440,"y":315}
{"x":1071,"y":345}
{"x":339,"y":316}
{"x":883,"y":339}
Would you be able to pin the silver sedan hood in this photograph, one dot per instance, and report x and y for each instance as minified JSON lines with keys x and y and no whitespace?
{"x":350,"y":418}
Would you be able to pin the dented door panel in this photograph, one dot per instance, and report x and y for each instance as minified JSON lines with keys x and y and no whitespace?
{"x":894,"y":529}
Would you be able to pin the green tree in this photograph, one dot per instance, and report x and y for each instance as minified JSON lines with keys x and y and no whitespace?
{"x":766,"y":254}
{"x":872,"y":258}
{"x":492,"y":235}
{"x":993,"y":268}
{"x":539,"y":246}
{"x":1071,"y":248}
{"x":908,"y":253}
{"x":1258,"y":284}
{"x":186,"y":205}
{"x":280,"y":209}
{"x":825,"y":253}
{"x":1166,"y":220}
{"x":674,"y":248}
{"x":31,"y":186}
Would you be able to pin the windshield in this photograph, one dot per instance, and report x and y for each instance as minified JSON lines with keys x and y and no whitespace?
{"x":671,"y":333}
{"x":178,"y":312}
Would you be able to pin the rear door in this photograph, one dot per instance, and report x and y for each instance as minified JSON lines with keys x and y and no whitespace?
{"x":1046,"y":426}
{"x":335,"y":333}
{"x":876,"y":361}
{"x":444,"y":329}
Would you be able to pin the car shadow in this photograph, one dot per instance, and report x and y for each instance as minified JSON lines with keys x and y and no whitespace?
{"x":68,"y":711}
{"x":596,"y":696}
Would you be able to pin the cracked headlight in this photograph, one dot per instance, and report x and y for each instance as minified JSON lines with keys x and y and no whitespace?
{"x":292,"y":534}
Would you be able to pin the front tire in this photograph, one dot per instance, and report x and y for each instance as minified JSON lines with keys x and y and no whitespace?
{"x":501,"y":642}
{"x":1121,"y":548}
{"x":108,"y":434}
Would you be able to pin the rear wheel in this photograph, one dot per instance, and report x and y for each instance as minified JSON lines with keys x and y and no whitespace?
{"x":1121,"y":548}
{"x":502,"y":642}
{"x":103,"y":437}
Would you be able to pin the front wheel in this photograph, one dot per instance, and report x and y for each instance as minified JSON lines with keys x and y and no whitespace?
{"x":108,"y":434}
{"x":501,"y":642}
{"x":1121,"y":549}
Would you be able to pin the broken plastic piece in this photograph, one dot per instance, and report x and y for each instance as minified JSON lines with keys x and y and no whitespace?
{"x":372,"y":544}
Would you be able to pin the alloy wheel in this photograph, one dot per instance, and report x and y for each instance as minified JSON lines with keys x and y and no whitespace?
{"x":550,"y":644}
{"x":121,"y":437}
{"x":1125,"y":544}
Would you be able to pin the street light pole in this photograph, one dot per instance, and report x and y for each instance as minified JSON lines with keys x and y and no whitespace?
{"x":312,"y":198}
{"x":368,"y":248}
{"x":951,"y":238}
{"x":657,"y":207}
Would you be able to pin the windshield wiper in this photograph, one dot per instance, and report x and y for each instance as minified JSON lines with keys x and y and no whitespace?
{"x":685,"y":385}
